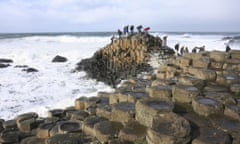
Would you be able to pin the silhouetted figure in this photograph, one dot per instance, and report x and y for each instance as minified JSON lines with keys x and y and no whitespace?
{"x":201,"y":49}
{"x":146,"y":29}
{"x":186,"y":50}
{"x":194,"y":50}
{"x":164,"y":41}
{"x":125,"y":30}
{"x":132,"y":29}
{"x":119,"y":33}
{"x":139,"y":28}
{"x":112,"y":38}
{"x":182,"y":51}
{"x":228,"y":48}
{"x":176,"y":47}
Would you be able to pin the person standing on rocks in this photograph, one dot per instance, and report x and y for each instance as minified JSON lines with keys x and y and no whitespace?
{"x":112,"y":39}
{"x":119,"y":33}
{"x":132,"y":29}
{"x":182,"y":50}
{"x":164,"y":41}
{"x":186,"y":50}
{"x":139,"y":28}
{"x":228,"y":48}
{"x":125,"y":30}
{"x":176,"y":47}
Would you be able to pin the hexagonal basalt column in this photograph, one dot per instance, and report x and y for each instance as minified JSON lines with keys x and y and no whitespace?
{"x":147,"y":108}
{"x":206,"y":106}
{"x":123,"y":111}
{"x":184,"y":93}
{"x":169,"y":128}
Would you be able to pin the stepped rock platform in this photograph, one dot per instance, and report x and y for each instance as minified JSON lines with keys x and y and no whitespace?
{"x":124,"y":58}
{"x":192,"y":99}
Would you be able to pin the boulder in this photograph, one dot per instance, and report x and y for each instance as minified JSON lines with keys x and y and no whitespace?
{"x":59,"y":59}
{"x":29,"y":70}
{"x":4,"y":65}
{"x":2,"y":60}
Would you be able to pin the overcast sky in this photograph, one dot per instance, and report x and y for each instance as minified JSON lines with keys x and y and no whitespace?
{"x":109,"y":15}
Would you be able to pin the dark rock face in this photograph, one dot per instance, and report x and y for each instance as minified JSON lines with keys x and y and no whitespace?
{"x":28,"y":70}
{"x":4,"y":65}
{"x":122,"y":59}
{"x":6,"y":60}
{"x":59,"y":59}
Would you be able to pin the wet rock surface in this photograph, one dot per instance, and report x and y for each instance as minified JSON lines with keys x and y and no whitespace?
{"x":181,"y":108}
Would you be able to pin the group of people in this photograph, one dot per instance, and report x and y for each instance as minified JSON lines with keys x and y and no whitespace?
{"x":130,"y":30}
{"x":182,"y":51}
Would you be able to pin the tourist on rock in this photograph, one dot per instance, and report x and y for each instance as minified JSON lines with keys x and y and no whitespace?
{"x":164,"y":41}
{"x":176,"y":47}
{"x":139,"y":28}
{"x":186,"y":50}
{"x":201,"y":49}
{"x":228,"y":48}
{"x":125,"y":30}
{"x":182,"y":50}
{"x":112,"y":39}
{"x":132,"y":29}
{"x":146,"y":29}
{"x":194,"y":50}
{"x":119,"y":33}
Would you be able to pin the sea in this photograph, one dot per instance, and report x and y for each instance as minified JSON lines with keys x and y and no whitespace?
{"x":57,"y":85}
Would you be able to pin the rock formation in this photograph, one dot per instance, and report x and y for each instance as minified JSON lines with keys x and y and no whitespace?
{"x":123,"y":58}
{"x":193,"y":99}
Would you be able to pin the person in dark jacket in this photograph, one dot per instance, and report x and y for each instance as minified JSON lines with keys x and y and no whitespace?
{"x":132,"y":29}
{"x":228,"y":48}
{"x":139,"y":28}
{"x":119,"y":33}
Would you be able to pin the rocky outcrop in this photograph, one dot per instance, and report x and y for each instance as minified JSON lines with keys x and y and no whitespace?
{"x":5,"y":62}
{"x":59,"y":59}
{"x":181,"y":108}
{"x":123,"y":58}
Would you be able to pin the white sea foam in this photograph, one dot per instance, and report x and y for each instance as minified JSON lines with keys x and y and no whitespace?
{"x":54,"y":86}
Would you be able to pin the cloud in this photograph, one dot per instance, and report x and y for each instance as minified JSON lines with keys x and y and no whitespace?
{"x":88,"y":15}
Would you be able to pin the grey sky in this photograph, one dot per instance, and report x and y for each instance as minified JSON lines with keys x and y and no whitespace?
{"x":109,"y":15}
